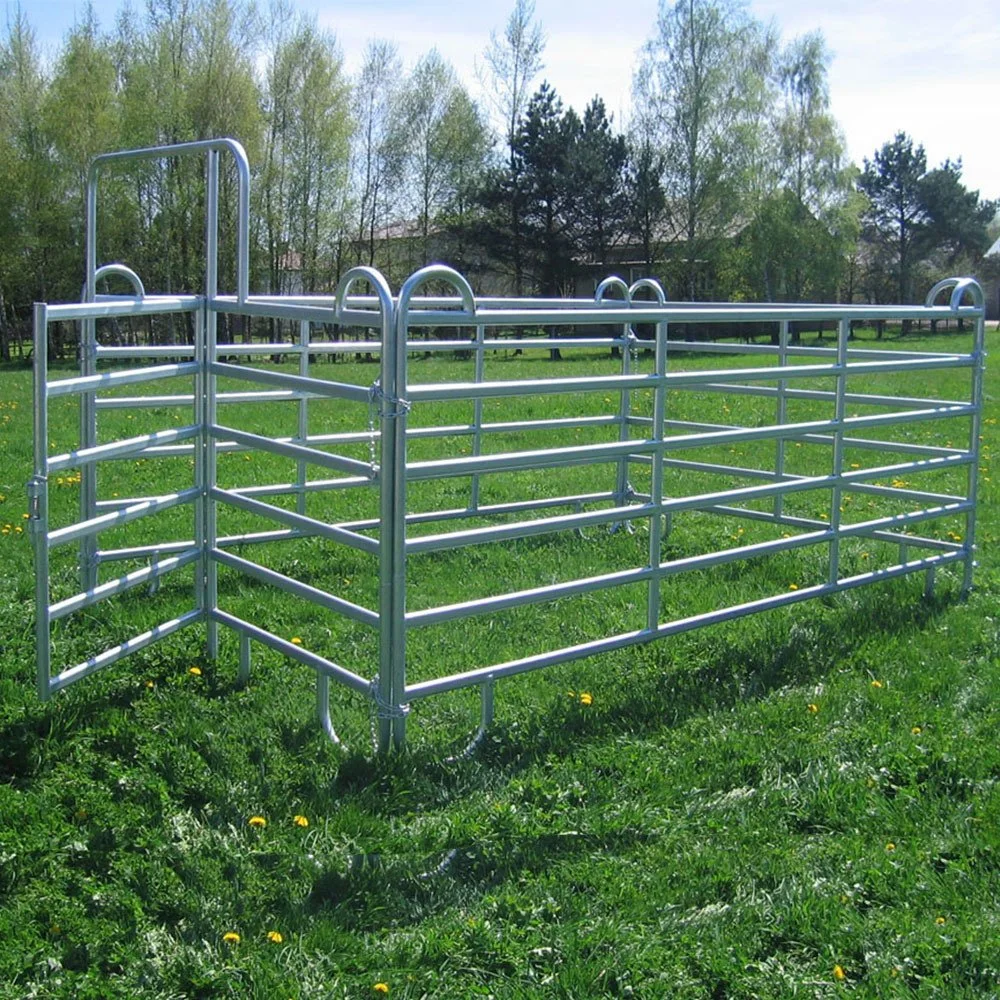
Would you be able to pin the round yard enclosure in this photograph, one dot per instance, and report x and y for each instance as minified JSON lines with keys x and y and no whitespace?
{"x":422,"y":491}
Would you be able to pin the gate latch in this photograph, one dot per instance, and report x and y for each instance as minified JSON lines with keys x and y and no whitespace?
{"x":37,"y":488}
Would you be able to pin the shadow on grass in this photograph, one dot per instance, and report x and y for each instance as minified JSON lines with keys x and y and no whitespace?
{"x":375,"y":892}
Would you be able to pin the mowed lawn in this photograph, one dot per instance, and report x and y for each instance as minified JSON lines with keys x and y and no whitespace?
{"x":799,"y":803}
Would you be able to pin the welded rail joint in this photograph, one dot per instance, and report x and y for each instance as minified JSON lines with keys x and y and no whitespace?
{"x":622,"y":445}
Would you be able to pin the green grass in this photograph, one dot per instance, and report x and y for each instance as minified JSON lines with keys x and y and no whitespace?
{"x":697,"y":831}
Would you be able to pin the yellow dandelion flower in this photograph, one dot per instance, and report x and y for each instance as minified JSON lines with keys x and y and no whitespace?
{"x":793,"y":586}
{"x":586,"y":698}
{"x":257,"y":821}
{"x":876,"y":684}
{"x":300,"y":821}
{"x":838,"y":973}
{"x":18,"y":530}
{"x":296,"y":641}
{"x":916,"y":730}
{"x":275,"y":937}
{"x":939,"y":921}
{"x":194,"y":671}
{"x":812,"y":707}
{"x":890,"y":846}
{"x":231,"y":937}
{"x":381,"y":987}
{"x":150,"y":684}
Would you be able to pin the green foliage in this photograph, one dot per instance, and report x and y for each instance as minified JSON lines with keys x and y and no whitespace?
{"x":918,"y":222}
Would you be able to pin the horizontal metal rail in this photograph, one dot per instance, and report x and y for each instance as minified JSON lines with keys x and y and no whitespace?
{"x":491,"y":510}
{"x":122,"y":584}
{"x":147,"y":351}
{"x":695,"y":313}
{"x":313,"y":456}
{"x":107,"y":380}
{"x":453,"y":682}
{"x":314,"y":386}
{"x":608,"y":451}
{"x":423,"y":392}
{"x":93,"y":525}
{"x":152,"y":305}
{"x":254,"y":396}
{"x":296,"y":588}
{"x":295,"y":652}
{"x":293,"y":520}
{"x":113,"y":655}
{"x":125,"y":448}
{"x":574,"y":588}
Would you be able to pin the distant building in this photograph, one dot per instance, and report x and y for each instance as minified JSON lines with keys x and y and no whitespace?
{"x":988,"y":275}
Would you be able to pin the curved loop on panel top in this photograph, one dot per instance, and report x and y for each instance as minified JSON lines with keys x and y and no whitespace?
{"x":441,"y":272}
{"x":959,"y":287}
{"x":652,"y":285}
{"x":374,"y":278}
{"x":123,"y":272}
{"x":612,"y":281}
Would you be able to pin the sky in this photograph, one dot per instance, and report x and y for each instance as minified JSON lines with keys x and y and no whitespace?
{"x":922,"y":67}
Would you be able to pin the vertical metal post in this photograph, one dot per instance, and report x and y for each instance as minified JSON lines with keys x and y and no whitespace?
{"x":88,"y":405}
{"x":840,"y":412}
{"x":200,"y":464}
{"x":38,"y":498}
{"x":208,"y":540}
{"x":394,"y":425}
{"x":477,"y":415}
{"x":300,"y":478}
{"x":781,"y":417}
{"x":975,"y":429}
{"x":243,"y":676}
{"x":656,"y":486}
{"x":624,"y":409}
{"x":390,"y":522}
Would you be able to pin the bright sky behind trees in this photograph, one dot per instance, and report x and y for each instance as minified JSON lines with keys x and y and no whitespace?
{"x":922,"y":67}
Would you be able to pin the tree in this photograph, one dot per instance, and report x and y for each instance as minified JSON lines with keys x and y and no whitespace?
{"x":308,"y":128}
{"x":700,"y":80}
{"x":797,"y":191}
{"x":646,"y":204}
{"x":545,"y":148}
{"x":958,"y":222}
{"x":376,"y":161}
{"x":513,"y":60}
{"x":598,"y":176}
{"x":896,"y":211}
{"x":443,"y":143}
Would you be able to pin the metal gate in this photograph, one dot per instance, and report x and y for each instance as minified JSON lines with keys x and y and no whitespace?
{"x":636,"y":439}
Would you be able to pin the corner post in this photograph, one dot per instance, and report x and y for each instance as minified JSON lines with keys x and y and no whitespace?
{"x":38,"y":500}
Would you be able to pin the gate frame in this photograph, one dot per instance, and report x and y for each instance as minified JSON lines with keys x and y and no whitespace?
{"x":390,"y":399}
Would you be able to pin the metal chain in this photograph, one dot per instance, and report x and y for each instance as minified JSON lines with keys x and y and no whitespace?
{"x":381,"y":406}
{"x":380,"y":709}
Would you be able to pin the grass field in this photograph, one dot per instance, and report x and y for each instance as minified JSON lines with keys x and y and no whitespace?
{"x":801,"y":803}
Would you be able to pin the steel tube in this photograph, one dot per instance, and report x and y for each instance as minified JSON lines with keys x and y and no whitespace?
{"x":293,"y":520}
{"x":469,"y":677}
{"x":113,"y":655}
{"x":318,"y":663}
{"x":120,"y":449}
{"x":93,"y":525}
{"x":313,"y":594}
{"x":277,"y":447}
{"x":314,"y":386}
{"x":88,"y":383}
{"x":38,"y":497}
{"x":122,"y":584}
